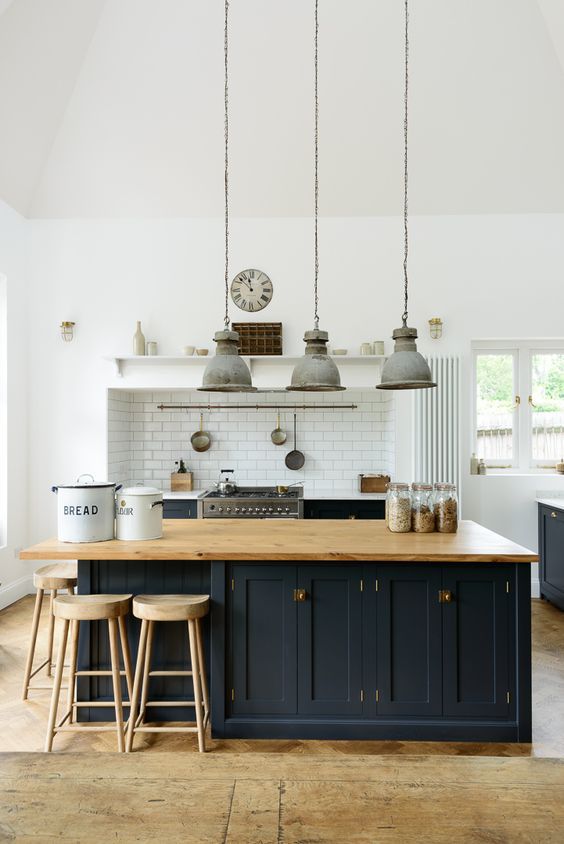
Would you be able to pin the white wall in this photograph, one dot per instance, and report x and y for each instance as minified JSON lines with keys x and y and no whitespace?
{"x":14,"y":574}
{"x":496,"y":276}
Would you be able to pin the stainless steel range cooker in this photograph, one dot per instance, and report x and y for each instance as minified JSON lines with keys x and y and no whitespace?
{"x":253,"y":502}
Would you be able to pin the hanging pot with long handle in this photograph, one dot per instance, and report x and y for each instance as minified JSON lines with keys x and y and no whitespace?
{"x":201,"y":440}
{"x":295,"y":459}
{"x":278,"y":435}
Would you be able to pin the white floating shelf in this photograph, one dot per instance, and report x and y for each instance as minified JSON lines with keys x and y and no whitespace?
{"x":200,"y":360}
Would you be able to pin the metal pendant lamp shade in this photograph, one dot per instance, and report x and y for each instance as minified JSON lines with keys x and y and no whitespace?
{"x":406,"y":368}
{"x":226,"y":371}
{"x":316,"y":371}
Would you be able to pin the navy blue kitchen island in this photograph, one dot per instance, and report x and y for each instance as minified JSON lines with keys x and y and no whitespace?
{"x":331,"y":629}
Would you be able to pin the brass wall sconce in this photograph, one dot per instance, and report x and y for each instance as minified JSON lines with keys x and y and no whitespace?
{"x":436,"y":328}
{"x":67,"y":330}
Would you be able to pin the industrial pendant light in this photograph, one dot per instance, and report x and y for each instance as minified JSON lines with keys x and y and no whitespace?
{"x":406,"y":368}
{"x":226,"y":371}
{"x":316,"y":371}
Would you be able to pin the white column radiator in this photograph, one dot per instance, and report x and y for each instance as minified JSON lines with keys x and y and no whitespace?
{"x":437,"y":424}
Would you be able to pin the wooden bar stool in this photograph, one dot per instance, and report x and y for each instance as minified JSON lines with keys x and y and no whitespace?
{"x":73,"y":609}
{"x":153,"y":608}
{"x":52,"y":577}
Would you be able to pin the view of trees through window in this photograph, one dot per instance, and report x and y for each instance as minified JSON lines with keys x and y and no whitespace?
{"x":547,"y":406}
{"x":495,"y":397}
{"x":497,"y":385}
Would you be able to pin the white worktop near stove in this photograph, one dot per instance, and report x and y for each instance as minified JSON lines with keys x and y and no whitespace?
{"x":557,"y":503}
{"x":309,"y":495}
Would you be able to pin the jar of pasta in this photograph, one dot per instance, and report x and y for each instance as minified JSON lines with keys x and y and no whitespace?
{"x":446,"y":508}
{"x":422,"y":510}
{"x":398,"y":508}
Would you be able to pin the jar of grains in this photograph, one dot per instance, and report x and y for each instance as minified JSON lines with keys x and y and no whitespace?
{"x":446,"y":508}
{"x":398,"y":508}
{"x":422,"y":511}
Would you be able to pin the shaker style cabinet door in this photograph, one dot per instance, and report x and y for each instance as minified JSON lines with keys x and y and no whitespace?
{"x":330,"y":640}
{"x":343,"y":509}
{"x":551,"y":547}
{"x":263,"y":640}
{"x":476,"y":641}
{"x":408,"y":641}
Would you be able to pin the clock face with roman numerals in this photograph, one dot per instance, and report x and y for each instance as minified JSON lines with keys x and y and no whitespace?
{"x":251,"y":290}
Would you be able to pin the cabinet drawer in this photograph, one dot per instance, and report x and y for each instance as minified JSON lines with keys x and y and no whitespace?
{"x":180,"y":509}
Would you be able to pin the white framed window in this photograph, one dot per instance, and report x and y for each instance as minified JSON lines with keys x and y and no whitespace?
{"x":518,"y":403}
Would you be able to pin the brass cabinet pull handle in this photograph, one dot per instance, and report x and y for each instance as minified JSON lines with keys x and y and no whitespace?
{"x":300,"y":595}
{"x":445,"y":596}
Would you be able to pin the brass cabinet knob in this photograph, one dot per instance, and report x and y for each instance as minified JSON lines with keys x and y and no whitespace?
{"x":300,"y":595}
{"x":445,"y":596}
{"x":554,"y":515}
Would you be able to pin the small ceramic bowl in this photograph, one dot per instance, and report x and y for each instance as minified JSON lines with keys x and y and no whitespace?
{"x":340,"y":351}
{"x":189,"y":350}
{"x":202,"y":352}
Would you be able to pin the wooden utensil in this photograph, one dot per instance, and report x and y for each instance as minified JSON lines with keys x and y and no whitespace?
{"x":295,"y":459}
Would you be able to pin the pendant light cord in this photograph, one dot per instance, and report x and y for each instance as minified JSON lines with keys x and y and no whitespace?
{"x":405,"y":170}
{"x":316,"y":177}
{"x":226,"y":171}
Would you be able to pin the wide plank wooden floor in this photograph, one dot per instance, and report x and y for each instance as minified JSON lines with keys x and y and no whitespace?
{"x":278,"y":798}
{"x":22,"y":725}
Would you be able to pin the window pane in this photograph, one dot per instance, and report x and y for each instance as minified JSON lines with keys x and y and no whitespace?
{"x":548,"y":406}
{"x":495,"y":400}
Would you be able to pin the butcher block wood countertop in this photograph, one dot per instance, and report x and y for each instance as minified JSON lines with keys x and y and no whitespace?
{"x":297,"y":540}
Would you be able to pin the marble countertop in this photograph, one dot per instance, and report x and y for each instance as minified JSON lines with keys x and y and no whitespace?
{"x":558,"y":503}
{"x":309,"y":495}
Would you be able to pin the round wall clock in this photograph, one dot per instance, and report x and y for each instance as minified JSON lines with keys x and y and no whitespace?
{"x":251,"y":290}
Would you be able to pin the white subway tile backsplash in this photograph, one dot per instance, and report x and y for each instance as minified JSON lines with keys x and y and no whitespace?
{"x":144,"y":442}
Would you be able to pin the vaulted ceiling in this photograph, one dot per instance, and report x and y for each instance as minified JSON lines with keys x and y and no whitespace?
{"x":115,"y":107}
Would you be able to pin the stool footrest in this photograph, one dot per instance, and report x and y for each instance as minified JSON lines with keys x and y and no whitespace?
{"x":193,"y":729}
{"x":170,"y":673}
{"x":100,"y":704}
{"x":170,"y":703}
{"x":86,"y":728}
{"x":105,"y":673}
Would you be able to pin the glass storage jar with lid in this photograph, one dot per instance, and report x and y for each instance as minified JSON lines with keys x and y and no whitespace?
{"x":446,"y":508}
{"x":422,"y":510}
{"x":398,"y":508}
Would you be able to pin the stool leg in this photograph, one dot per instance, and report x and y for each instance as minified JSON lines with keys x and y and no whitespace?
{"x":57,"y":687}
{"x":116,"y":679}
{"x":72,"y":668}
{"x":197,"y":688}
{"x":146,"y":670}
{"x":32,"y":641}
{"x":136,"y":684}
{"x":50,"y":632}
{"x":126,"y":656}
{"x":204,"y":679}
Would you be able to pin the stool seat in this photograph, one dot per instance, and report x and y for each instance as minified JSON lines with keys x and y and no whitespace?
{"x":91,"y":607}
{"x":171,"y":607}
{"x":55,"y":576}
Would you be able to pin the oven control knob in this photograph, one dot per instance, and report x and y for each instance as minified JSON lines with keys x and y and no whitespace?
{"x":212,"y":506}
{"x":257,"y":509}
{"x":264,"y":510}
{"x":279,"y":510}
{"x":220,"y":510}
{"x":243,"y":509}
{"x":287,"y":510}
{"x":237,"y":509}
{"x":229,"y":509}
{"x":270,"y":510}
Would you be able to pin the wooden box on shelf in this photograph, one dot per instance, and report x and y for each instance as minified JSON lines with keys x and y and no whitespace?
{"x":259,"y":338}
{"x":373,"y":483}
{"x":181,"y":481}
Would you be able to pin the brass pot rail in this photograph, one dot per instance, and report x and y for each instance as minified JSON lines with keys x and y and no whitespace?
{"x":258,"y":406}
